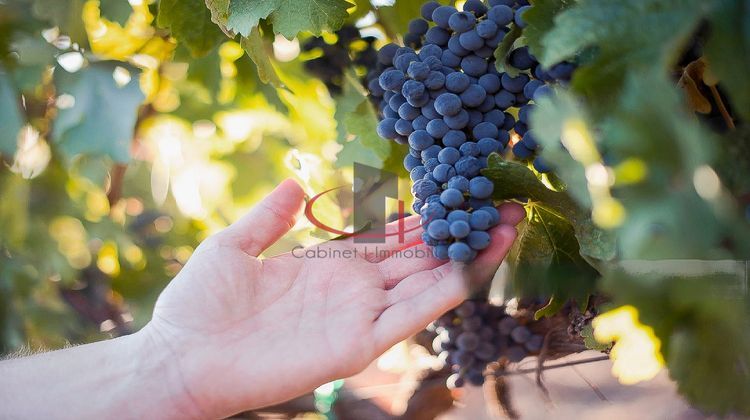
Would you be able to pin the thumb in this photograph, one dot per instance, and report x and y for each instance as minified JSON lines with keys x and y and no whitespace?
{"x":269,"y":220}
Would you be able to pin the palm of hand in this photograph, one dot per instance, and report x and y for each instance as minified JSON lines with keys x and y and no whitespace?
{"x":248,"y":332}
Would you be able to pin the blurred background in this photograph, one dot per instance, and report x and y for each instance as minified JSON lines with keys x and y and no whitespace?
{"x":122,"y":149}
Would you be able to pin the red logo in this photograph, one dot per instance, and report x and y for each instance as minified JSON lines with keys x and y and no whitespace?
{"x":373,"y":233}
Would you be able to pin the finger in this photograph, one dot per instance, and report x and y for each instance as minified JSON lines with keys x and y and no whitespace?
{"x":511,"y":213}
{"x":476,"y":273}
{"x":399,"y":235}
{"x":407,"y":262}
{"x":396,"y":268}
{"x":434,"y":292}
{"x":268,"y":221}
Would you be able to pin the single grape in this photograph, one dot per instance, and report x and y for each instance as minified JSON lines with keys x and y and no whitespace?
{"x":459,"y":182}
{"x":470,"y":149}
{"x":454,"y":138}
{"x":439,"y":229}
{"x":487,"y":29}
{"x":437,"y":128}
{"x":481,"y":187}
{"x":456,"y":215}
{"x":444,"y":172}
{"x":457,"y":121}
{"x":452,"y":198}
{"x":449,"y":155}
{"x":478,"y":240}
{"x":480,"y":220}
{"x":462,"y":21}
{"x":501,"y":14}
{"x":420,"y":139}
{"x":387,"y":128}
{"x":460,"y":229}
{"x":457,"y":82}
{"x":418,"y":26}
{"x":428,"y":9}
{"x":460,"y":252}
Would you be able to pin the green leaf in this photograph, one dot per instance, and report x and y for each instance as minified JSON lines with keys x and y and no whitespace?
{"x":357,"y":120}
{"x":288,"y":17}
{"x":546,"y":259}
{"x":11,"y":119}
{"x":728,"y":51}
{"x":220,"y":15}
{"x":645,"y":34}
{"x":103,"y":117}
{"x":117,"y":11}
{"x":35,"y":55}
{"x":700,"y":311}
{"x":65,"y":14}
{"x":514,"y":180}
{"x":190,"y":23}
{"x":256,"y":50}
{"x":395,"y":19}
{"x":548,"y":118}
{"x":244,"y":16}
{"x":587,"y":333}
{"x":503,"y":50}
{"x":552,"y":307}
{"x":540,"y":20}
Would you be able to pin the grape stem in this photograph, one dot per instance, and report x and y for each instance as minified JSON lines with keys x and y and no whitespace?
{"x":722,"y":108}
{"x":555,"y":366}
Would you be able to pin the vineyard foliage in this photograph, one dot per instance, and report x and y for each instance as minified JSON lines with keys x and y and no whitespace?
{"x":130,"y":131}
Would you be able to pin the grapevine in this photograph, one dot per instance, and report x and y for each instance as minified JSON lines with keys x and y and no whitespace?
{"x":443,"y":96}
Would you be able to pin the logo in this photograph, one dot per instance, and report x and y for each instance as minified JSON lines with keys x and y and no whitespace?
{"x":371,"y":189}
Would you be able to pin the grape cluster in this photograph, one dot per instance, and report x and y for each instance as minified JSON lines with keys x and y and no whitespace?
{"x":443,"y":96}
{"x":477,"y":333}
{"x":350,"y":49}
{"x":533,"y":83}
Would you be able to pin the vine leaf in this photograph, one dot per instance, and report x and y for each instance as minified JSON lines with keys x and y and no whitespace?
{"x":514,"y":180}
{"x":540,"y":20}
{"x":244,"y":16}
{"x":692,"y":305}
{"x":395,"y":19}
{"x":546,"y":259}
{"x":356,"y":120}
{"x":190,"y":22}
{"x":220,"y":15}
{"x":103,"y":117}
{"x":646,"y":33}
{"x":256,"y":50}
{"x":288,"y":17}
{"x":11,"y":119}
{"x":503,"y":50}
{"x":587,"y":333}
{"x":728,"y":51}
{"x":65,"y":14}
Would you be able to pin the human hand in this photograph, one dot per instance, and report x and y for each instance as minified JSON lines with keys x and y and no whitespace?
{"x":246,"y":332}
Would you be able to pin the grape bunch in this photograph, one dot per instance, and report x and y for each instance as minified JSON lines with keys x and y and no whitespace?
{"x":443,"y":96}
{"x":531,"y":85}
{"x":477,"y":333}
{"x":350,"y":49}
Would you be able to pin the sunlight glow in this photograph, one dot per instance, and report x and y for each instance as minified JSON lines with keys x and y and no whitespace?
{"x":33,"y":154}
{"x":71,"y":61}
{"x":707,"y":183}
{"x":285,"y":50}
{"x":636,"y":353}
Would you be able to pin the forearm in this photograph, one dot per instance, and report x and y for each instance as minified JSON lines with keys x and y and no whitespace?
{"x":127,"y":377}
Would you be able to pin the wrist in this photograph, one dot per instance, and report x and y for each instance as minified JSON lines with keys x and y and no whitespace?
{"x":157,"y":369}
